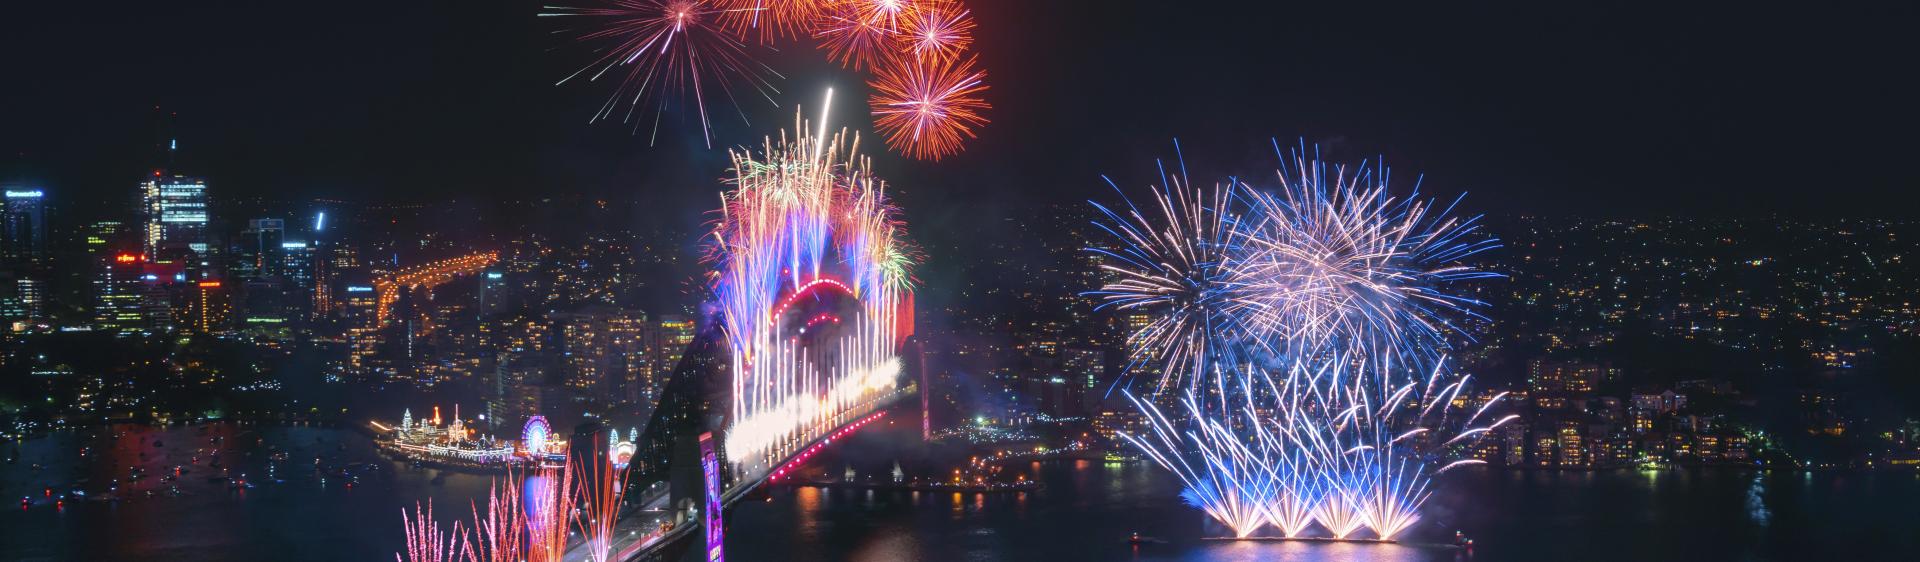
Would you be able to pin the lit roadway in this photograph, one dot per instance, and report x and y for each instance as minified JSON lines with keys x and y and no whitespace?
{"x":633,"y":535}
{"x":429,"y":275}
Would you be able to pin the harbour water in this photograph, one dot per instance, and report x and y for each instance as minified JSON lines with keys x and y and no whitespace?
{"x":346,"y":506}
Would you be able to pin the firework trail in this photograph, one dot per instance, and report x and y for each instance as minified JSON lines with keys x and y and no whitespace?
{"x":598,"y":489}
{"x":928,"y":108}
{"x":1344,"y":286}
{"x":1334,"y":263}
{"x":427,"y":543}
{"x":1230,"y":481}
{"x":771,"y":20}
{"x":549,"y":507}
{"x":1169,"y":262}
{"x":1316,"y":447}
{"x":936,"y":31}
{"x":500,"y":530}
{"x":853,"y":38}
{"x":662,"y":52}
{"x":661,"y":48}
{"x":807,"y":225}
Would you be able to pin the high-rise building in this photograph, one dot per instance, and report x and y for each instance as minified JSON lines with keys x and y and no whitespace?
{"x":357,"y":310}
{"x":176,"y":213}
{"x":606,"y":353}
{"x":662,"y":348}
{"x":24,"y":306}
{"x":208,"y":311}
{"x":296,"y":264}
{"x":493,"y":293}
{"x":23,"y":228}
{"x":258,"y":253}
{"x":127,"y":296}
{"x":1086,"y":370}
{"x":519,"y":389}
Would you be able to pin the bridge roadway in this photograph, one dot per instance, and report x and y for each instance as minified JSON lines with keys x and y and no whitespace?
{"x":636,"y":537}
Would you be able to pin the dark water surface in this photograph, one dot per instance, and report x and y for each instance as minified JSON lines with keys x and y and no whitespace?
{"x":1087,"y":510}
{"x":1084,"y":513}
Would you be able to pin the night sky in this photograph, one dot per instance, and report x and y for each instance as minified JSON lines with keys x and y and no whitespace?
{"x":1537,"y":107}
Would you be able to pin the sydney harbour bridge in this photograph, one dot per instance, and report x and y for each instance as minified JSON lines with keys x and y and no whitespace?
{"x":809,"y":337}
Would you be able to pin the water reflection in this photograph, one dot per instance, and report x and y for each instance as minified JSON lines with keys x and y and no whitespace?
{"x":1087,"y":513}
{"x":1756,"y":500}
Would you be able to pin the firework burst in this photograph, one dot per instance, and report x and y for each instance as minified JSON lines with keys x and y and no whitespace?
{"x":1167,"y":263}
{"x":658,"y":50}
{"x":936,"y":31}
{"x":771,"y":20}
{"x":1335,"y":263}
{"x":1232,"y":482}
{"x":807,"y":227}
{"x":853,"y":38}
{"x":668,"y":53}
{"x":1335,"y":289}
{"x":1318,"y":446}
{"x":928,"y":108}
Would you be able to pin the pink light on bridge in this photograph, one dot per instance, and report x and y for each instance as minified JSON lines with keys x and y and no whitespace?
{"x":801,"y":458}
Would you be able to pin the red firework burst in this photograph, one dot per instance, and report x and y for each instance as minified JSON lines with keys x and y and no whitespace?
{"x":887,"y":14}
{"x":853,"y":38}
{"x":674,"y":45}
{"x":936,"y":30}
{"x":927,"y":109}
{"x":770,"y":20}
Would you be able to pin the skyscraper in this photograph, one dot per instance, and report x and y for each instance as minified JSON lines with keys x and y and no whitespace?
{"x":208,"y":311}
{"x":259,"y":253}
{"x":23,"y":228}
{"x":127,"y":296}
{"x":23,"y":257}
{"x":176,"y":214}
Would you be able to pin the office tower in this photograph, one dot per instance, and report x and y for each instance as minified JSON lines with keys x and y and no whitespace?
{"x":493,"y":293}
{"x":259,"y":254}
{"x":23,"y":303}
{"x":175,"y":210}
{"x":209,"y":309}
{"x":127,"y":295}
{"x":296,"y":264}
{"x":23,"y":228}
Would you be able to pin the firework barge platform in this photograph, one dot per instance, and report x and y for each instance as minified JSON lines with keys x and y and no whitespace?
{"x":1006,"y":487}
{"x":1361,"y":540}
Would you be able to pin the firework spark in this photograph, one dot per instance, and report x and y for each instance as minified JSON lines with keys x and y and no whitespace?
{"x":1337,"y":264}
{"x":1167,"y":265}
{"x":550,"y":503}
{"x":928,"y":108}
{"x":663,"y":49}
{"x":854,"y":39}
{"x":500,"y":530}
{"x":426,"y":542}
{"x":598,"y":489}
{"x":771,"y":20}
{"x":807,"y":229}
{"x":1231,"y":482}
{"x":1320,"y":446}
{"x":1335,"y":289}
{"x":936,"y":31}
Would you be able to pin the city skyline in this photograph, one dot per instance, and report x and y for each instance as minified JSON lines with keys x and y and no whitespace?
{"x":944,"y":280}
